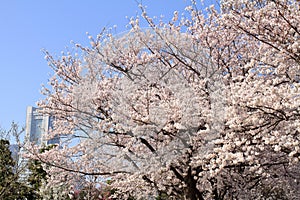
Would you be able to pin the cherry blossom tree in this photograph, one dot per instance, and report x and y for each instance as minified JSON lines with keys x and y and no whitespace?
{"x":205,"y":106}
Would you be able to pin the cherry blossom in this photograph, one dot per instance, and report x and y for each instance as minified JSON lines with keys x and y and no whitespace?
{"x":203,"y":107}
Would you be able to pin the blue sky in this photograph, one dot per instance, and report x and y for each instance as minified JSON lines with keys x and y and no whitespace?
{"x":31,"y":25}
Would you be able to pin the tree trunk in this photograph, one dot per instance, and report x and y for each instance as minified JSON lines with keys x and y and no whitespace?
{"x":192,"y":192}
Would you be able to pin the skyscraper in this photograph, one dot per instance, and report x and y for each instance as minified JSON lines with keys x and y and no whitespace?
{"x":38,"y":126}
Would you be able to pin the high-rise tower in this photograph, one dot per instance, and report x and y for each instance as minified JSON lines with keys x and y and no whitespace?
{"x":38,"y":126}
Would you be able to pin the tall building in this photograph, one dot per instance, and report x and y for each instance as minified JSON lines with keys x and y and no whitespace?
{"x":38,"y":126}
{"x":14,"y":149}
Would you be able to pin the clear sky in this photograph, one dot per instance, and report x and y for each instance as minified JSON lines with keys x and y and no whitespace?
{"x":31,"y":25}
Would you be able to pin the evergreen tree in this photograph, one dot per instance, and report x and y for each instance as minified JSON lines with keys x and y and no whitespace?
{"x":7,"y":177}
{"x":10,"y":188}
{"x":38,"y":174}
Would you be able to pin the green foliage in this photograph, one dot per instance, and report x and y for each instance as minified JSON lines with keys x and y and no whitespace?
{"x":10,"y":187}
{"x":162,"y":196}
{"x":6,"y":163}
{"x":37,"y":173}
{"x":7,"y":177}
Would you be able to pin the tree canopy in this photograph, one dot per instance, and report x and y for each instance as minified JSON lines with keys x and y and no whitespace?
{"x":205,"y":106}
{"x":10,"y":186}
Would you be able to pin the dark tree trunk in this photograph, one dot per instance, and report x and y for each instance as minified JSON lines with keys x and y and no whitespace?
{"x":192,"y":192}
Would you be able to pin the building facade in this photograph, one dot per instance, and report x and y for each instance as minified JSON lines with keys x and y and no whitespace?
{"x":38,"y":126}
